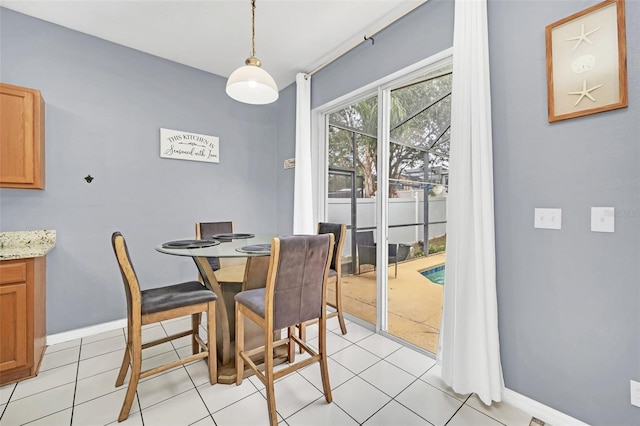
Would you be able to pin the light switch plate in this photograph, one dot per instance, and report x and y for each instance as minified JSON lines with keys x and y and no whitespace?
{"x":635,"y":393}
{"x":289,"y":163}
{"x":548,"y":218}
{"x":603,"y":219}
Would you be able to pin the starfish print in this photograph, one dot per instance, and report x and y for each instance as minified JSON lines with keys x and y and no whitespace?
{"x":585,"y":92}
{"x":582,"y":37}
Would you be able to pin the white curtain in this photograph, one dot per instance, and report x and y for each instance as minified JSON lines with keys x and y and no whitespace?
{"x":469,"y":348}
{"x":302,"y":196}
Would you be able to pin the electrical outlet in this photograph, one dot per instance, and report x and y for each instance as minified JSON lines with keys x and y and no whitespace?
{"x":548,"y":218}
{"x":635,"y":393}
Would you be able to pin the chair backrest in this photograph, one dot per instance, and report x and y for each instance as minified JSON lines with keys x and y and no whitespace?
{"x":205,"y":230}
{"x":297,"y":278}
{"x":403,"y":251}
{"x":129,"y":277}
{"x":365,"y":238}
{"x":339,"y":231}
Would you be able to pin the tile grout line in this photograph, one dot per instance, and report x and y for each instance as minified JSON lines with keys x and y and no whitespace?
{"x":380,"y":359}
{"x":393,"y":398}
{"x":15,"y":385}
{"x":459,"y":408}
{"x":139,"y":407}
{"x":195,"y":387}
{"x":348,"y":380}
{"x":75,"y":385}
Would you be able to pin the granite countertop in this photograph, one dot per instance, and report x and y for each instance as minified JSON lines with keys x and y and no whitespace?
{"x":24,"y":244}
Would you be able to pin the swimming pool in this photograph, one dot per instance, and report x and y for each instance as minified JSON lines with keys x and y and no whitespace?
{"x":435,"y":275}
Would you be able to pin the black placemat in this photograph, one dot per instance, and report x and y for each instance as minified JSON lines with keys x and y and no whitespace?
{"x":232,"y":236}
{"x":190,"y":244}
{"x":255,"y":248}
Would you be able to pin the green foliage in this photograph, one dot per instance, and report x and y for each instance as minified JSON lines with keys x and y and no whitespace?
{"x":420,"y":120}
{"x":438,"y":244}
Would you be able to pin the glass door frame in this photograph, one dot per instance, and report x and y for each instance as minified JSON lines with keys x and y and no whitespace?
{"x":382,"y":209}
{"x":320,"y":154}
{"x":351,"y":228}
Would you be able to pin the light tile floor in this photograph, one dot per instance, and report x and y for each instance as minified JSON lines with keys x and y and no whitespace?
{"x":374,"y":380}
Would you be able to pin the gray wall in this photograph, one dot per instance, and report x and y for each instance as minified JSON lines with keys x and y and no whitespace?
{"x":568,"y":300}
{"x":422,"y":33}
{"x":286,"y":148}
{"x":104,"y":107}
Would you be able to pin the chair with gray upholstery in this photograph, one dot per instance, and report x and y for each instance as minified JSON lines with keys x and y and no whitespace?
{"x":367,"y":251}
{"x":159,"y":304}
{"x":295,"y":293}
{"x":403,"y":252}
{"x":339,"y":231}
{"x":205,"y":230}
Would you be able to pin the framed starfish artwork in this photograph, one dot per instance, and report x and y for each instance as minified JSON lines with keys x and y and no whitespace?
{"x":587,"y":62}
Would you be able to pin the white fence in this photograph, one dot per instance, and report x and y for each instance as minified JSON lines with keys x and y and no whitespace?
{"x":408,"y":208}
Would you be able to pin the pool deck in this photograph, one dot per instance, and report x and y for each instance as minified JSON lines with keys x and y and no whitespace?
{"x":415,"y":303}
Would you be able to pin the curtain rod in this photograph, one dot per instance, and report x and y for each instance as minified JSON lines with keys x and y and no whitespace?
{"x":366,"y":37}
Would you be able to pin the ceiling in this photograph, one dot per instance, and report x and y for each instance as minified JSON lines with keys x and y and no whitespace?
{"x":215,"y":35}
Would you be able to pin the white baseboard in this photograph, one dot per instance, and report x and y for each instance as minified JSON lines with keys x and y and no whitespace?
{"x":538,"y":410}
{"x":86,"y":331}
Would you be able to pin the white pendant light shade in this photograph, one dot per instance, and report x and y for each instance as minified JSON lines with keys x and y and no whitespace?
{"x":252,"y":85}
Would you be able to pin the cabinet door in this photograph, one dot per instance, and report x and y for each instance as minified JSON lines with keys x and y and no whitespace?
{"x":21,"y":134}
{"x":13,"y":326}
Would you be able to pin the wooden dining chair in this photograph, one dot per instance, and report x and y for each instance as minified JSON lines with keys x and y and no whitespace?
{"x":295,"y":293}
{"x":205,"y":230}
{"x":339,"y":231}
{"x":159,"y":304}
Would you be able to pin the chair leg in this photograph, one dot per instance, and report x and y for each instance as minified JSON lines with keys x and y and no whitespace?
{"x":268,"y":372}
{"x":125,"y":359}
{"x":212,"y":347}
{"x":324,"y":369}
{"x":302,"y":335}
{"x":291,"y":346}
{"x":195,"y":328}
{"x":343,"y":326}
{"x":239,"y":345}
{"x":136,"y":364}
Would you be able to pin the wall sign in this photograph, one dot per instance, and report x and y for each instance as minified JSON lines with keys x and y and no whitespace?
{"x":181,"y":145}
{"x":587,"y":62}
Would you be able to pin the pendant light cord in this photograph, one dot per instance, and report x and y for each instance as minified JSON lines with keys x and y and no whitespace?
{"x":253,"y":28}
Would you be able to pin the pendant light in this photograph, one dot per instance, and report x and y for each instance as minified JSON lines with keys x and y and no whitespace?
{"x":251,"y":84}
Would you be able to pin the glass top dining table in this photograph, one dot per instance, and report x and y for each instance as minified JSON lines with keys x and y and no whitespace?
{"x":226,"y":248}
{"x":255,"y":276}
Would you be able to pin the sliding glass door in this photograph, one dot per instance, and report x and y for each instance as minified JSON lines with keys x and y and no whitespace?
{"x":387,"y":174}
{"x":418,"y":143}
{"x":351,"y":187}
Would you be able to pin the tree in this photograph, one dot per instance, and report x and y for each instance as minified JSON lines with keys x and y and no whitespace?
{"x":420,"y":117}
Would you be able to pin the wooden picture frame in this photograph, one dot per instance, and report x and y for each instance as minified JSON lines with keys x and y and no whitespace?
{"x":587,"y":62}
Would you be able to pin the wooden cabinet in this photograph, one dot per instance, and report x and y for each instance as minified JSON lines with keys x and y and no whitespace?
{"x":22,"y":318}
{"x":21,"y":138}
